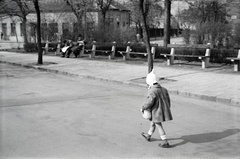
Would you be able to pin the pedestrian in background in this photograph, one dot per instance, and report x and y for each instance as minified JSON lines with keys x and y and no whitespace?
{"x":2,"y":35}
{"x":158,"y":104}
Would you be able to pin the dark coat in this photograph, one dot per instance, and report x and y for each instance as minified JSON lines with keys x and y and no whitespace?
{"x":158,"y":102}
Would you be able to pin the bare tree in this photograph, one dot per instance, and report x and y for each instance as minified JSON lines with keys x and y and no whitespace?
{"x":79,"y":8}
{"x":144,"y":9}
{"x":208,"y":19}
{"x":20,"y":9}
{"x":153,"y":17}
{"x":167,"y":22}
{"x":15,"y":20}
{"x":104,"y":6}
{"x":36,"y":5}
{"x":135,"y":15}
{"x":155,"y":13}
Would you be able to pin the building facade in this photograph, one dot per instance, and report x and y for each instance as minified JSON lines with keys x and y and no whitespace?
{"x":57,"y":20}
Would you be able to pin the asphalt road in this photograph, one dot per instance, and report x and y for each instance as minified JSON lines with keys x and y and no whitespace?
{"x":47,"y":115}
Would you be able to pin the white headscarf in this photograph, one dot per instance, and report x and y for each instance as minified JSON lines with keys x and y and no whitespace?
{"x":151,"y":79}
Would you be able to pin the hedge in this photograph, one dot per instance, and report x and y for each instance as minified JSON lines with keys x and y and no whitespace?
{"x":32,"y":47}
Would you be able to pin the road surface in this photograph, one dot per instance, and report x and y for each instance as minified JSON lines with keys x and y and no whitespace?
{"x":47,"y":115}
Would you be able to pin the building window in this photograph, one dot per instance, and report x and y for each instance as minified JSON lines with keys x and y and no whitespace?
{"x":4,"y":29}
{"x":21,"y":29}
{"x":109,"y":19}
{"x":52,"y":31}
{"x":76,"y":30}
{"x":75,"y":27}
{"x":44,"y":31}
{"x":13,"y":29}
{"x":53,"y":27}
{"x":66,"y":31}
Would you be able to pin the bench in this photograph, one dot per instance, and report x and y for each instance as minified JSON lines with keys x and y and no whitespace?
{"x":58,"y":50}
{"x":126,"y":54}
{"x":92,"y":52}
{"x":204,"y":58}
{"x":49,"y":47}
{"x":236,"y":61}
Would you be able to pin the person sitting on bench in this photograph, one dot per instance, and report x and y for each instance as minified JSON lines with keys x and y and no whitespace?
{"x":77,"y":47}
{"x":66,"y":48}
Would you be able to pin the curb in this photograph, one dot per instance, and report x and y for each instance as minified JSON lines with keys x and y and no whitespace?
{"x":175,"y":92}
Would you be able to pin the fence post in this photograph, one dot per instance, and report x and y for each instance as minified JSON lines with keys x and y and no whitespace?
{"x":237,"y":63}
{"x":92,"y":55}
{"x":82,"y":51}
{"x":58,"y":48}
{"x":128,"y":49}
{"x":170,"y":61}
{"x":153,"y":50}
{"x":205,"y":62}
{"x":45,"y":50}
{"x":112,"y":55}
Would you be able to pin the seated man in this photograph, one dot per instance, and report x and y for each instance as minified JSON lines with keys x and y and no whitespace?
{"x":77,"y":47}
{"x":67,"y":46}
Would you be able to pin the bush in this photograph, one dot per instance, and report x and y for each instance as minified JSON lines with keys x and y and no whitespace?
{"x":30,"y":47}
{"x":109,"y":34}
{"x":161,"y":50}
{"x":236,"y":35}
{"x":219,"y":55}
{"x":186,"y":33}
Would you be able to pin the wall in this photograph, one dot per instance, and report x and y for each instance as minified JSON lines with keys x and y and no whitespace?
{"x":8,"y":36}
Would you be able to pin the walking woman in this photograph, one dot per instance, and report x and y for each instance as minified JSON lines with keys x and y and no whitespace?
{"x":158,"y":104}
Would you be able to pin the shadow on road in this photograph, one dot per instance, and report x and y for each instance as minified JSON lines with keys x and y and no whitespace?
{"x":206,"y":137}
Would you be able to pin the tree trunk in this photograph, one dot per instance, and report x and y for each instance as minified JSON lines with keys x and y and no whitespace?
{"x":148,"y":47}
{"x":103,"y":26}
{"x":40,"y":60}
{"x":25,"y":30}
{"x":167,"y":22}
{"x":17,"y":38}
{"x":144,"y":11}
{"x":85,"y":24}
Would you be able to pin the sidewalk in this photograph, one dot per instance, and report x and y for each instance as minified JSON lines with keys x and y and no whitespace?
{"x":219,"y":84}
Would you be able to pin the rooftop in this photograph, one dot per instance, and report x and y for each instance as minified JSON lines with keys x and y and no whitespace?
{"x":49,"y":6}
